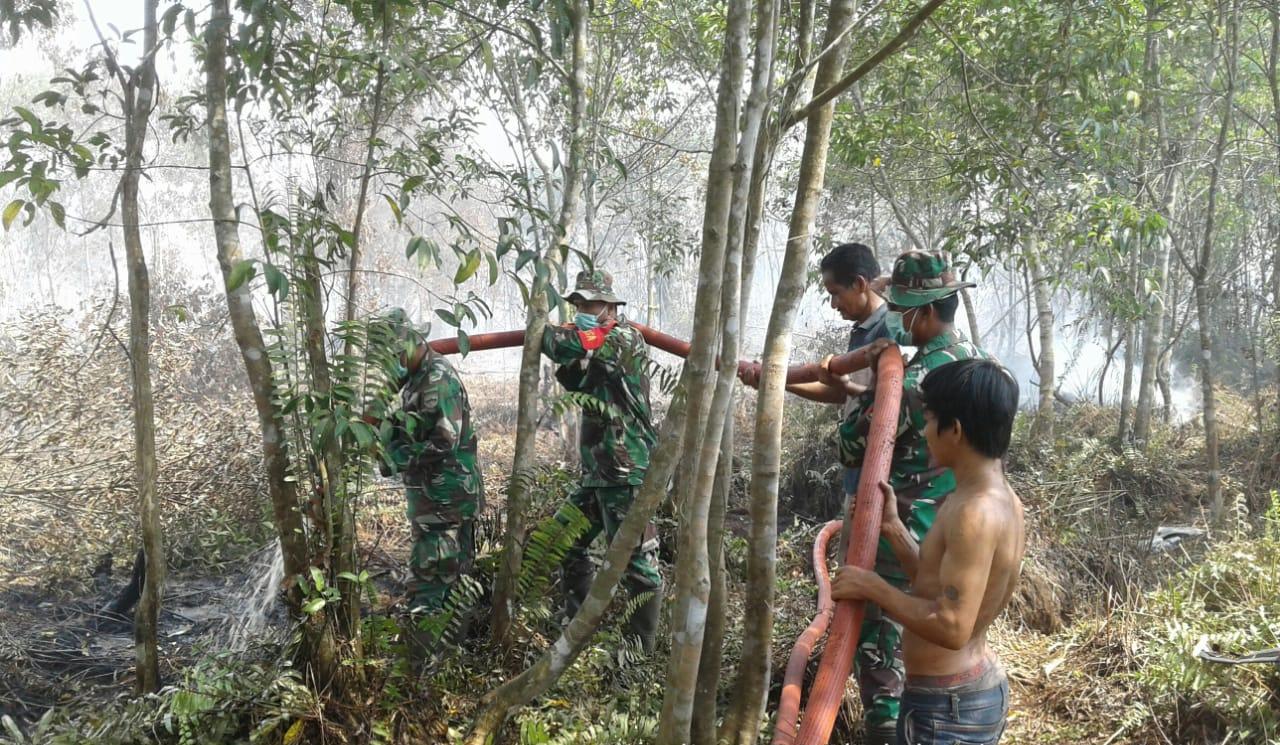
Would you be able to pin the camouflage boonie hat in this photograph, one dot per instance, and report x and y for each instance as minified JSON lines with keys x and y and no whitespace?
{"x":921,"y":277}
{"x":594,"y":285}
{"x":402,"y":327}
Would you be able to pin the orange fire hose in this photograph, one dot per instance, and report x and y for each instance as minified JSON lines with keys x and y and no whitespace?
{"x":793,"y":681}
{"x":807,"y":373}
{"x":837,"y":659}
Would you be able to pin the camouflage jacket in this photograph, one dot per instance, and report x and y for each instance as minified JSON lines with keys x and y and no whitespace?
{"x":432,"y":441}
{"x":609,"y":365}
{"x":920,"y":486}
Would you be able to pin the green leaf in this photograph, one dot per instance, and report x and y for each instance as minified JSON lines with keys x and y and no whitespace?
{"x":32,"y":120}
{"x":313,"y":605}
{"x":416,"y":244}
{"x":277,"y":282}
{"x":464,"y":343}
{"x":493,"y":268}
{"x":363,"y":433}
{"x":468,"y":267}
{"x":317,"y":578}
{"x":240,"y":273}
{"x":447,"y":317}
{"x":412,"y":183}
{"x":11,"y":213}
{"x":59,"y":214}
{"x":395,"y":209}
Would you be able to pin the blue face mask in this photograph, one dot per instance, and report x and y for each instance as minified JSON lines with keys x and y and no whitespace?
{"x":586,"y":321}
{"x":897,"y":332}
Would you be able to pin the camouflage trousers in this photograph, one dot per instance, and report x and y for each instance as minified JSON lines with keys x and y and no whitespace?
{"x":444,"y":545}
{"x":878,"y":666}
{"x":605,"y":507}
{"x":878,"y":662}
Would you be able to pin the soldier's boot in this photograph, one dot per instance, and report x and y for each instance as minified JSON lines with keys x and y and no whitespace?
{"x":643,"y":623}
{"x":578,"y":574}
{"x":881,"y":733}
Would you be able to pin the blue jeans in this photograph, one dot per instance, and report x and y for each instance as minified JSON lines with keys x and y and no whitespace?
{"x":964,"y":717}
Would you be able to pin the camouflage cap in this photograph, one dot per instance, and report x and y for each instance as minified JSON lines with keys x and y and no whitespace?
{"x":921,"y":277}
{"x":594,"y":285}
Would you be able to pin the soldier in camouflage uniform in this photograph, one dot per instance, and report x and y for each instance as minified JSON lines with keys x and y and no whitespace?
{"x":922,"y":298}
{"x":433,"y":446}
{"x":603,"y":356}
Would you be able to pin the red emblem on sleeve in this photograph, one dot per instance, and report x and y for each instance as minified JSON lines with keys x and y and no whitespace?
{"x":594,"y":338}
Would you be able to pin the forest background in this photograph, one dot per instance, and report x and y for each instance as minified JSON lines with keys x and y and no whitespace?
{"x":221,"y":191}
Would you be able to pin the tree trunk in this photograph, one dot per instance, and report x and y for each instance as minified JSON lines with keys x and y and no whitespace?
{"x":1204,"y":266}
{"x":366,"y":175}
{"x":281,"y":489}
{"x":703,"y":729}
{"x":1124,"y":434}
{"x":1153,"y":318}
{"x":139,"y":100}
{"x":1042,"y":291}
{"x":504,"y":591}
{"x":689,"y":625}
{"x":720,"y":289}
{"x":339,"y":520}
{"x":742,"y":723}
{"x":1273,"y":84}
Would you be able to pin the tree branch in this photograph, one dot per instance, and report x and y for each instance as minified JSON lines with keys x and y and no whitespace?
{"x":842,"y":85}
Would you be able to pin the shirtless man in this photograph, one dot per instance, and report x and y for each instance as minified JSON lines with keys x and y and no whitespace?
{"x":964,"y":572}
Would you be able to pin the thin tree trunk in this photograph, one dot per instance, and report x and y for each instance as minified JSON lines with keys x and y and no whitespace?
{"x":504,"y":592}
{"x":719,"y":273}
{"x":339,"y":528}
{"x":1153,"y":318}
{"x":139,"y":100}
{"x":280,"y":488}
{"x":1273,"y":84}
{"x":366,"y":175}
{"x":1124,"y":434}
{"x":1204,"y":266}
{"x":742,"y":723}
{"x":971,"y":314}
{"x":703,"y":729}
{"x":1042,"y":291}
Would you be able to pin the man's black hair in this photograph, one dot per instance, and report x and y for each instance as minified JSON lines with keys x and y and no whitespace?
{"x":945,"y":308}
{"x":981,"y":395}
{"x":848,"y":261}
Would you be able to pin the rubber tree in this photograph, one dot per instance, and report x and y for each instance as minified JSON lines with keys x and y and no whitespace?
{"x":281,"y":489}
{"x":1203,"y":268}
{"x":504,"y":593}
{"x":755,"y":148}
{"x":728,"y":194}
{"x":1042,"y":292}
{"x":139,"y":89}
{"x":742,"y":721}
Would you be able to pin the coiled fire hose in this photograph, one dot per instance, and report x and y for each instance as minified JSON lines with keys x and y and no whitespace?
{"x":793,"y":680}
